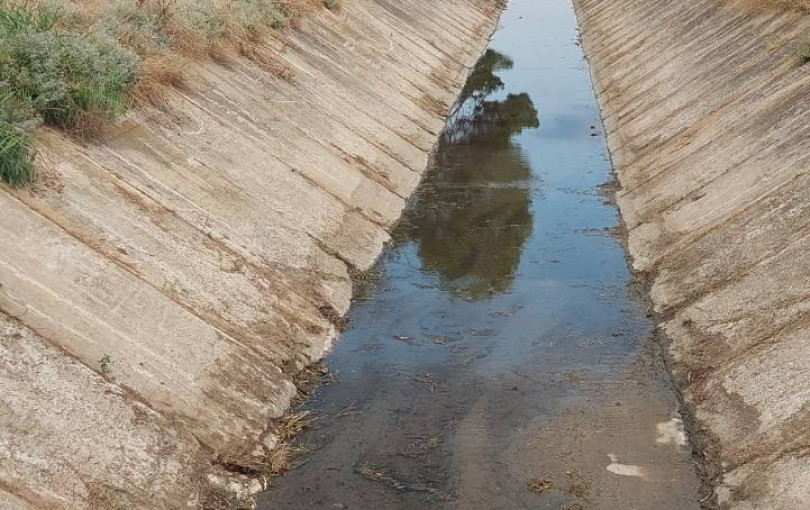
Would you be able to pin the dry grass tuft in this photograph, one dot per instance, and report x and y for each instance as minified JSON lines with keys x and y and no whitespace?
{"x":88,"y":126}
{"x":160,"y":74}
{"x":279,"y":459}
{"x":267,"y":60}
{"x":290,"y":426}
{"x":286,"y":430}
{"x":297,"y":10}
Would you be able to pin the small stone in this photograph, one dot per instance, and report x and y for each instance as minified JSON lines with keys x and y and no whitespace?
{"x":254,"y":487}
{"x":216,"y":481}
{"x":270,"y":441}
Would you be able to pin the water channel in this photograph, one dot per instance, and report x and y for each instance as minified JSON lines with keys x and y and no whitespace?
{"x":497,"y":357}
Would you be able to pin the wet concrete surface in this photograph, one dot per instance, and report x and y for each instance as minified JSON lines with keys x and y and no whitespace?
{"x":496,"y":358}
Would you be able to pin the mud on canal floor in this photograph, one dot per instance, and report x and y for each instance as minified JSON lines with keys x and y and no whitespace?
{"x":496,"y":358}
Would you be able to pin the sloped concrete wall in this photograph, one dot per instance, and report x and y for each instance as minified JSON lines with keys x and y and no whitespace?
{"x":160,"y":291}
{"x":706,"y":111}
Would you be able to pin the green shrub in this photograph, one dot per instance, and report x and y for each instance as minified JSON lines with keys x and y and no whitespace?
{"x":18,"y":17}
{"x":73,"y":64}
{"x":16,"y":141}
{"x":56,"y":76}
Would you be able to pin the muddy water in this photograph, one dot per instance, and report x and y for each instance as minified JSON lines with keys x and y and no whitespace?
{"x":496,"y":358}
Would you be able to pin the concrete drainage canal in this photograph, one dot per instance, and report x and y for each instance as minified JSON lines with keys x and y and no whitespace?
{"x":496,"y":357}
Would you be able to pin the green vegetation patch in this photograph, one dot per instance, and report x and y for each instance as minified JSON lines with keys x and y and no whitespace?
{"x":53,"y":75}
{"x":75,"y":65}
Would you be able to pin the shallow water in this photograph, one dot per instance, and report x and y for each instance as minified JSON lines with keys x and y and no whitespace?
{"x":496,"y":358}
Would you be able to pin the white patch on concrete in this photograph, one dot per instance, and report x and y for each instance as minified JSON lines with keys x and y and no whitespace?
{"x":617,"y":468}
{"x":671,"y":432}
{"x":270,"y":441}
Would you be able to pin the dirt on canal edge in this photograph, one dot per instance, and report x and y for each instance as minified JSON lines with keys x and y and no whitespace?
{"x":706,"y":461}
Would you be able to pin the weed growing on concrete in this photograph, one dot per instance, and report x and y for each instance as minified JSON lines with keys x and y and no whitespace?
{"x":105,"y":364}
{"x":803,"y":54}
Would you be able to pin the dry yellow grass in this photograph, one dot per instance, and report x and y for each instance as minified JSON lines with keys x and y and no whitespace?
{"x":166,"y":33}
{"x":186,"y":26}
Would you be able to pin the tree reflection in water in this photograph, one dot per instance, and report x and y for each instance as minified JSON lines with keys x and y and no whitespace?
{"x":472,"y":217}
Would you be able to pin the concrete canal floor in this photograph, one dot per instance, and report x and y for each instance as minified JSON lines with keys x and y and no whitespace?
{"x":497,"y":357}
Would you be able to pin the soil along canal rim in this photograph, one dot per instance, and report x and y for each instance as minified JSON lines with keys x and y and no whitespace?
{"x":160,"y":291}
{"x":705,"y":107}
{"x":496,"y":358}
